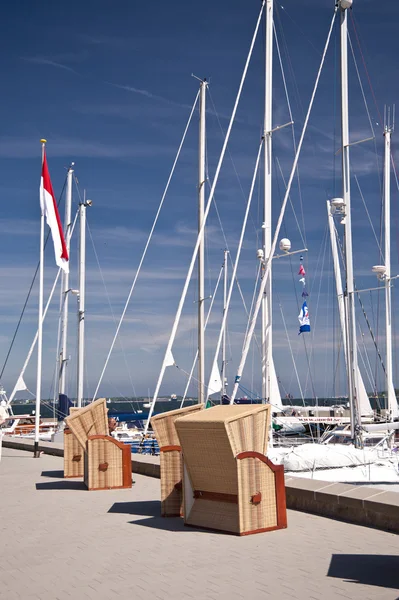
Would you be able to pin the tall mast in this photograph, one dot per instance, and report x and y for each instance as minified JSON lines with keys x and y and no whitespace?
{"x":201,"y":249}
{"x":392,"y":403}
{"x":36,"y":452}
{"x":352,"y":366}
{"x":81,"y":299}
{"x":65,"y":286}
{"x":267,"y":358}
{"x":364,"y":403}
{"x":224,"y":363}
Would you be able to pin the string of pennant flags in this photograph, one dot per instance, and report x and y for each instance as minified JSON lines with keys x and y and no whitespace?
{"x":303,"y":317}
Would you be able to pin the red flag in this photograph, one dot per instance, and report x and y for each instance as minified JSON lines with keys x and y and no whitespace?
{"x":49,"y":208}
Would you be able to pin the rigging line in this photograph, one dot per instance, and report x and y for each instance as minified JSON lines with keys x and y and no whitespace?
{"x":397,"y":185}
{"x":290,"y":258}
{"x":168,"y":351}
{"x":337,"y":363}
{"x":297,"y":95}
{"x":329,"y":251}
{"x":147,"y":243}
{"x":365,"y":65}
{"x":238,"y":254}
{"x":281,"y":216}
{"x":14,"y":391}
{"x":206,"y":323}
{"x":299,"y":29}
{"x":361,"y":85}
{"x":368,"y":216}
{"x":367,"y":109}
{"x":371,"y":331}
{"x":334,"y":137}
{"x":230,"y":155}
{"x":282,"y":71}
{"x":291,"y":204}
{"x":371,"y":88}
{"x":259,"y":270}
{"x":364,"y":312}
{"x":106,"y":293}
{"x":293,"y":361}
{"x":292,"y":355}
{"x":293,"y":133}
{"x":112,"y":385}
{"x":28,"y":296}
{"x":59,"y":328}
{"x":111,"y":309}
{"x":309,"y":374}
{"x":366,"y":363}
{"x":230,"y":257}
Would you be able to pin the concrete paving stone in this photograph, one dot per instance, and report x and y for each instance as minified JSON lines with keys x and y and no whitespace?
{"x":94,"y":549}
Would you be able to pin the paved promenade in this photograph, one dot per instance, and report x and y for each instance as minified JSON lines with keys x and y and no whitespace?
{"x":59,"y":541}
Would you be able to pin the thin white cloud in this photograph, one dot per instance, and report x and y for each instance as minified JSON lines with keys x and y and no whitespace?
{"x":148,"y":94}
{"x":41,"y":60}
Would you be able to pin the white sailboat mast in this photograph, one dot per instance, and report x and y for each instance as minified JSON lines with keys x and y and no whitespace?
{"x":267,"y":359}
{"x":65,"y":286}
{"x":201,"y":249}
{"x":352,"y":367}
{"x":224,"y":363}
{"x":392,"y":403}
{"x":81,"y":301}
{"x":364,"y":402}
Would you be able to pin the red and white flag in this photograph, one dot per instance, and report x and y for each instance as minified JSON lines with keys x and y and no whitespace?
{"x":49,"y":208}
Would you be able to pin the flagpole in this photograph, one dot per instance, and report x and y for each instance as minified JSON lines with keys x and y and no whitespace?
{"x":36,"y":452}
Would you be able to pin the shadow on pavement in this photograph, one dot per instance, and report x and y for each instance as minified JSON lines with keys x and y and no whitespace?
{"x":55,"y":474}
{"x":165,"y":523}
{"x":65,"y":484}
{"x":151,"y":508}
{"x":368,"y":569}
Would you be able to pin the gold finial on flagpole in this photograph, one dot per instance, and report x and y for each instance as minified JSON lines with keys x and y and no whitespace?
{"x":43,"y":143}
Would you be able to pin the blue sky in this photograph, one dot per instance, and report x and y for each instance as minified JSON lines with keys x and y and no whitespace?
{"x":111,"y":90}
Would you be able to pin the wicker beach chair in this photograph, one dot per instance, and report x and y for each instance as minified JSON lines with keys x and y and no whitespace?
{"x":228,"y":483}
{"x":73,"y":454}
{"x":107,"y":462}
{"x":163,"y":426}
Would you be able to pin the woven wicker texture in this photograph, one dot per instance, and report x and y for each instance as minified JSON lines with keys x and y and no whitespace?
{"x":171,"y":462}
{"x":211,"y":439}
{"x":254,"y":477}
{"x":91,"y":420}
{"x":72,"y":451}
{"x":219,"y":488}
{"x":171,"y":474}
{"x":163,"y":425}
{"x":102,"y":451}
{"x":214,"y":515}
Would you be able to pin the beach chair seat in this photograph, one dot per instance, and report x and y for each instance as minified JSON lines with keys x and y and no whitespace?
{"x":73,"y":456}
{"x":228,"y":482}
{"x":163,"y":426}
{"x":107,"y":462}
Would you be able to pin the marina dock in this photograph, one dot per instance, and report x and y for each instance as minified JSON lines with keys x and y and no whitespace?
{"x":61,"y":541}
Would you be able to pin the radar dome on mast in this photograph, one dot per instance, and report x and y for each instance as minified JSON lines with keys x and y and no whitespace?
{"x":285,"y":245}
{"x":380,"y":271}
{"x":337,"y":204}
{"x":346,"y":4}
